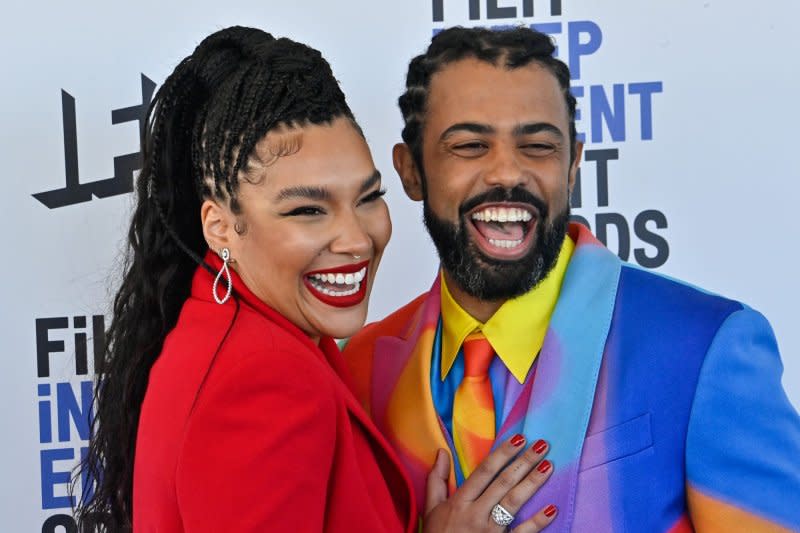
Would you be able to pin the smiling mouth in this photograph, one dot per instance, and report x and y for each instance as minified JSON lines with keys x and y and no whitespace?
{"x":503,"y":230}
{"x":343,"y":286}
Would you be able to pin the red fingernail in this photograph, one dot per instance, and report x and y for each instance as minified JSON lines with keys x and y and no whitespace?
{"x":517,"y":440}
{"x":540,"y":446}
{"x":550,"y":511}
{"x":544,"y":466}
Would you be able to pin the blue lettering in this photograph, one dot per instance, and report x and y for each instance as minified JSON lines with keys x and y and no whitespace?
{"x":50,"y":478}
{"x":577,"y":48}
{"x":45,"y":414}
{"x":645,"y":91}
{"x":601,"y":112}
{"x":68,"y":409}
{"x":577,"y":92}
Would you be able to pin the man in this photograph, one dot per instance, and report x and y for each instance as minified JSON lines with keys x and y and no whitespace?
{"x":662,"y":404}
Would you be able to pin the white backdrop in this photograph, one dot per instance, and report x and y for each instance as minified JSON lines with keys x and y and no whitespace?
{"x":689,"y":106}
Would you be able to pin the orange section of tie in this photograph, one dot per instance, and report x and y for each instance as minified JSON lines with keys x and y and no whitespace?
{"x":473,"y":405}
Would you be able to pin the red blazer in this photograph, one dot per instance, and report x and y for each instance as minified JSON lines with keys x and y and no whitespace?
{"x":247,"y":425}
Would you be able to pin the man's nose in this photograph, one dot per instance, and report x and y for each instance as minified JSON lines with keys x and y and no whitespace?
{"x":504,"y":169}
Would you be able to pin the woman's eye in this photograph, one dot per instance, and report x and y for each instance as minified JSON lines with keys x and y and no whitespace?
{"x":306,"y":210}
{"x":373,"y":196}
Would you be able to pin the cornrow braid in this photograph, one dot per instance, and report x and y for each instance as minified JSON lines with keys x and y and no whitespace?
{"x":516,"y":47}
{"x":202,"y":128}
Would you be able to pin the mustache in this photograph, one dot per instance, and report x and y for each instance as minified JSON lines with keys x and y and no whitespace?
{"x":499,"y":194}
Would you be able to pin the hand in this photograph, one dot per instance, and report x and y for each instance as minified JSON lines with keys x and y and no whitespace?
{"x":469,"y":508}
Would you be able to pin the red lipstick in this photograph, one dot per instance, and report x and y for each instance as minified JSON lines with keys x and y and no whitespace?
{"x":334,"y":292}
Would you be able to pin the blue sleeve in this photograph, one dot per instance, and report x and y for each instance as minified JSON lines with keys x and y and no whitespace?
{"x":743,"y":441}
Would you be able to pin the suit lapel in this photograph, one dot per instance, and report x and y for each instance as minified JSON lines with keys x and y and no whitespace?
{"x":401,"y":400}
{"x":567,"y":369}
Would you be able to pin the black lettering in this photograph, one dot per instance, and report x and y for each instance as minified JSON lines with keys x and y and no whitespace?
{"x":660,"y":243}
{"x":437,"y":7}
{"x":601,"y":158}
{"x":575,"y":197}
{"x":604,"y":220}
{"x":527,"y":8}
{"x":81,"y":359}
{"x":125,"y":166}
{"x":72,"y":193}
{"x":474,"y":9}
{"x":64,"y":521}
{"x":493,"y":11}
{"x":98,"y":340}
{"x":44,"y":346}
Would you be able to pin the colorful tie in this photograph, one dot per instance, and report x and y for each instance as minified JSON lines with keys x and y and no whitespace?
{"x":473,"y":405}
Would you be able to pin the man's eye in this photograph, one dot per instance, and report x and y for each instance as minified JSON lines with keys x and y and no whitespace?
{"x":306,"y":210}
{"x":469,"y":150}
{"x":538,"y":148}
{"x":373,"y":196}
{"x":470,"y":146}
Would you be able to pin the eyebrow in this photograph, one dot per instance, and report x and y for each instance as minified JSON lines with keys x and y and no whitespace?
{"x":321,"y":194}
{"x":520,"y":130}
{"x":471,"y":127}
{"x":374,"y":178}
{"x":537,"y":127}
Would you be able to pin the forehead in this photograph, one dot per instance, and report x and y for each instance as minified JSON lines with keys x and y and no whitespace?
{"x":470,"y":90}
{"x":326,"y":154}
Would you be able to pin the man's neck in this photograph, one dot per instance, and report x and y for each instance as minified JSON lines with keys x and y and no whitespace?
{"x":480,"y":310}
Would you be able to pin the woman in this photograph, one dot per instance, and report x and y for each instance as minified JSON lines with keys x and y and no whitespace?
{"x":225,"y":375}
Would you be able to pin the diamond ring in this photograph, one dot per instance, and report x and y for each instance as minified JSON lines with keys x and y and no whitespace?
{"x":500,"y":516}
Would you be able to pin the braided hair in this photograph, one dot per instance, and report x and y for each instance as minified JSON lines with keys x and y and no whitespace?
{"x":517,"y":47}
{"x":202,"y":126}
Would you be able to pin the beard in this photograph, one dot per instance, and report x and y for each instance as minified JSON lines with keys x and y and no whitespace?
{"x":488,"y":278}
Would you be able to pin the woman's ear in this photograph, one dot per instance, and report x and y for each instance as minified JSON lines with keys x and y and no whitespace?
{"x":218,"y":224}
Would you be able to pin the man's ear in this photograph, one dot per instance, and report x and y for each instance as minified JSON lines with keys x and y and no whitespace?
{"x":576,"y":163}
{"x":407,"y":170}
{"x":218,"y":225}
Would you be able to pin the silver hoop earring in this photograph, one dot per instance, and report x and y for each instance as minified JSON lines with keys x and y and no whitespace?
{"x":356,"y":257}
{"x":225,"y":254}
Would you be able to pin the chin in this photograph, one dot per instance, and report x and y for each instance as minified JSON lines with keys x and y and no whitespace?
{"x":341,"y":324}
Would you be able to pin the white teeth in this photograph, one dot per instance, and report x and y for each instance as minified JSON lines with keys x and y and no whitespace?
{"x":352,"y":278}
{"x":502,"y":214}
{"x":500,"y":243}
{"x":329,"y":292}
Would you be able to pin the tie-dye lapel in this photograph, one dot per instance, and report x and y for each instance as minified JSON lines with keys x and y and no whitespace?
{"x":566,"y":372}
{"x":402,"y":405}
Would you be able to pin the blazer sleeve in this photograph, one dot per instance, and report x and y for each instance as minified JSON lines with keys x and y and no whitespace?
{"x":258,"y":449}
{"x":743,"y":440}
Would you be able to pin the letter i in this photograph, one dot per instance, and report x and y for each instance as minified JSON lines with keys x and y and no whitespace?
{"x":81,"y":361}
{"x":45,"y":415}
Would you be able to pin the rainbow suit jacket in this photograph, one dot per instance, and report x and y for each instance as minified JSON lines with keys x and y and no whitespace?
{"x":662,"y":403}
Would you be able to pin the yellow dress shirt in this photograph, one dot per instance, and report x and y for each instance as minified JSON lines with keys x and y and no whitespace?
{"x":516,"y":331}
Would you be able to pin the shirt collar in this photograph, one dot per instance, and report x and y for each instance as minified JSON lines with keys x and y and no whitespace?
{"x":517,"y":329}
